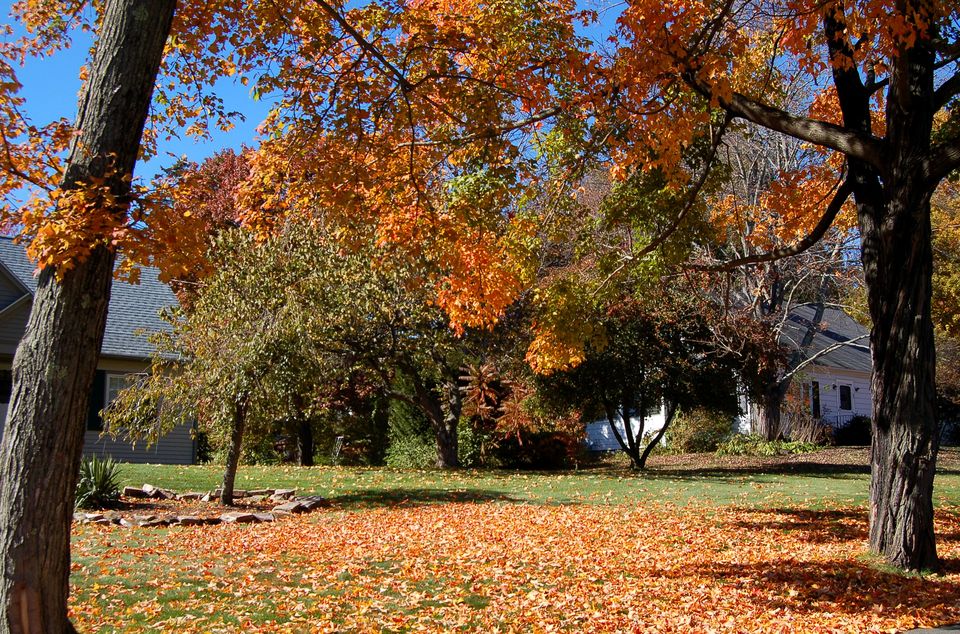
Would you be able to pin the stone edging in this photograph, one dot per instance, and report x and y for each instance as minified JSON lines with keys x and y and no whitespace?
{"x":289,"y":503}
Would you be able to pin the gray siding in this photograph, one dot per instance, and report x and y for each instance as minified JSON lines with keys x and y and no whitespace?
{"x":9,"y":292}
{"x":12,"y":327}
{"x":177,"y":447}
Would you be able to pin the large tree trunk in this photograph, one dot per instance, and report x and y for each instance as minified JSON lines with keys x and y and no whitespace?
{"x":55,"y":363}
{"x":768,"y":415}
{"x":894,"y":214}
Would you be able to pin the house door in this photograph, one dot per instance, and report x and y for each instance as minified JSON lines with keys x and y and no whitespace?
{"x":844,"y":403}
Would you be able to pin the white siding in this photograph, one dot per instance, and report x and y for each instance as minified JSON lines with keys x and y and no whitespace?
{"x":600,"y":437}
{"x":830,"y":383}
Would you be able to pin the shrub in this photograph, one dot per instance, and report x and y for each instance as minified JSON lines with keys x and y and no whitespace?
{"x":808,"y":429}
{"x":99,"y":483}
{"x":754,"y":445}
{"x":546,"y":451}
{"x":698,"y":431}
{"x":853,"y":434}
{"x":411,"y":452}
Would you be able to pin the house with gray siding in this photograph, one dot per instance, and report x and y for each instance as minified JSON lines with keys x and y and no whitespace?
{"x":134,"y":311}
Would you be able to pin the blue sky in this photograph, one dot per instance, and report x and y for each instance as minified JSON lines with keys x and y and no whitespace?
{"x":51,"y":86}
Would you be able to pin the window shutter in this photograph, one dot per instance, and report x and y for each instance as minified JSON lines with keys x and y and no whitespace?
{"x":97,"y":398}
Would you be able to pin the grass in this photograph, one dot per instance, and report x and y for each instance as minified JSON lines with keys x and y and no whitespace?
{"x":814,"y":485}
{"x":695,"y":544}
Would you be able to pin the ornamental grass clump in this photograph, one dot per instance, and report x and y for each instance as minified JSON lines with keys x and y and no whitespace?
{"x":99,"y":483}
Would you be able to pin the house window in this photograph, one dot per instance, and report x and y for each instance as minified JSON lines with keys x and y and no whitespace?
{"x":815,"y":399}
{"x":846,"y":400}
{"x":114,"y":384}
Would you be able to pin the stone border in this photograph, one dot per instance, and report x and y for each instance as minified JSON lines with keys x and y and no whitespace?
{"x":288,"y":503}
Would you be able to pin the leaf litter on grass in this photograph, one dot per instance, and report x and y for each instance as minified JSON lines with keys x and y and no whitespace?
{"x":513,"y":567}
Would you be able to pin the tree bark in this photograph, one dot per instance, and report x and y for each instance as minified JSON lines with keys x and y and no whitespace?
{"x":670,"y":414}
{"x":768,"y":420}
{"x":234,"y":450}
{"x":893,"y":209}
{"x":55,"y":363}
{"x":380,"y":419}
{"x":446,"y":427}
{"x":305,"y":443}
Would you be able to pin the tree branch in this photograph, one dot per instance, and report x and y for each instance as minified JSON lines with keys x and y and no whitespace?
{"x":943,"y":159}
{"x":866,"y":148}
{"x":947,"y":91}
{"x":836,"y":204}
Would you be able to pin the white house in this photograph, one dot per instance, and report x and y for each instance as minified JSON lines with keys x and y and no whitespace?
{"x":834,"y":379}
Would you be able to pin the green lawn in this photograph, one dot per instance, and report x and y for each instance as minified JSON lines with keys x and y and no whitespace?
{"x":808,"y":485}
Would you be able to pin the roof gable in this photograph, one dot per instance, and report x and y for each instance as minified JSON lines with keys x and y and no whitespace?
{"x":835,"y":329}
{"x":133,"y":307}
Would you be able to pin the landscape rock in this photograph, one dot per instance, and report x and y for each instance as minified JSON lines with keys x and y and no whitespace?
{"x":264,"y":517}
{"x":263,"y":492}
{"x":284,"y":494}
{"x":238,"y":517}
{"x":314,"y":502}
{"x":134,"y":492}
{"x":189,"y":520}
{"x":292,"y":506}
{"x":190,"y":496}
{"x":154,"y":523}
{"x":127,"y":523}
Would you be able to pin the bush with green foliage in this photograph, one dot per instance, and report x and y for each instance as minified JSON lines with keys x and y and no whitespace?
{"x":856,"y":433}
{"x":755,"y":445}
{"x":99,"y":483}
{"x":700,"y":430}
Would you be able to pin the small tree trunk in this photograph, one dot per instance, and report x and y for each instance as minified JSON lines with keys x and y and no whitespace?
{"x":671,"y":413}
{"x":55,"y":363}
{"x":446,"y":427}
{"x":381,"y":429}
{"x":628,"y":447}
{"x":233,"y":452}
{"x":305,"y":443}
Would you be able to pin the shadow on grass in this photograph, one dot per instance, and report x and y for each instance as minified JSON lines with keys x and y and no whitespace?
{"x":816,"y":526}
{"x":408,"y":496}
{"x":839,"y":587}
{"x":815,"y":469}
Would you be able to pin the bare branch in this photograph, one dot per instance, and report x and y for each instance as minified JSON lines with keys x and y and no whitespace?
{"x":826,"y":351}
{"x":836,"y":204}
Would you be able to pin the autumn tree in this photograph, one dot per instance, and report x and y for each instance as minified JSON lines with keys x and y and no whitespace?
{"x":656,"y":358}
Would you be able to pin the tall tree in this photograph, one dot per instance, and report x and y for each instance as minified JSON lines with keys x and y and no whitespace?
{"x":54,"y":365}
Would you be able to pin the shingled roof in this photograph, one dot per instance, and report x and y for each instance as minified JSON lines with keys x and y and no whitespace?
{"x":835,"y":327}
{"x":133,"y":307}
